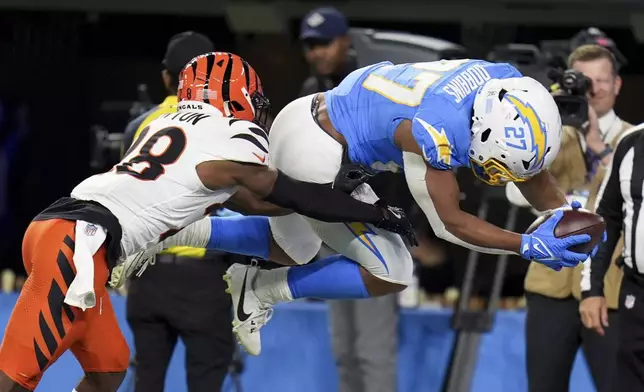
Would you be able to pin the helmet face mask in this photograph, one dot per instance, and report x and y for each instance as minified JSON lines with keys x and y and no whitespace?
{"x":493,"y":172}
{"x":516,"y":131}
{"x":262,"y":107}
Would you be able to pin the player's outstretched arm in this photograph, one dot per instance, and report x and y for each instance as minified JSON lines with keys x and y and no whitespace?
{"x":247,"y":203}
{"x":541,"y":192}
{"x":318,"y":201}
{"x":277,"y":188}
{"x":437,"y":193}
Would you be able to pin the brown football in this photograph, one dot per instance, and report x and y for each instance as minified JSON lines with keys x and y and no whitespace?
{"x":576,"y":221}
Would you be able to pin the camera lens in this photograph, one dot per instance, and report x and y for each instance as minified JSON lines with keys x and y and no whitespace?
{"x":569,"y":81}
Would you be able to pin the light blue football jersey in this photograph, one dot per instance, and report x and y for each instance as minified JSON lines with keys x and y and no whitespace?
{"x":437,"y":97}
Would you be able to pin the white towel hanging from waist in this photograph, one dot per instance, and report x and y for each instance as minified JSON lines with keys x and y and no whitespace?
{"x":89,"y":238}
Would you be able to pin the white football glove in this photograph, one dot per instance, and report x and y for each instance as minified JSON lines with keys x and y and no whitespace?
{"x":137,"y":262}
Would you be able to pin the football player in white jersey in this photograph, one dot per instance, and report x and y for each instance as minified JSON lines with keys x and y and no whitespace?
{"x":212,"y":150}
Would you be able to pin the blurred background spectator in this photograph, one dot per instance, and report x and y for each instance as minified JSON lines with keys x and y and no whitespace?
{"x":554,"y":331}
{"x":324,"y":33}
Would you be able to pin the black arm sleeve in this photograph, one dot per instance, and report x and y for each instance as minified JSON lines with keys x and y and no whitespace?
{"x":609,"y":206}
{"x":321,"y":202}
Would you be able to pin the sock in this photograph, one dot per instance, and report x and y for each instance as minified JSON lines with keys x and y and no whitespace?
{"x":271,"y":286}
{"x":334,"y":277}
{"x":244,"y":235}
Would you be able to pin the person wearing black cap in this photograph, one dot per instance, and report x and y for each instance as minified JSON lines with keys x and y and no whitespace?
{"x":595,"y":36}
{"x":180,"y":297}
{"x":363,"y":332}
{"x":324,"y":33}
{"x":182,"y":48}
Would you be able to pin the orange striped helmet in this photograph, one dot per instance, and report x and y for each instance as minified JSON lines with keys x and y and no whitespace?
{"x":227,"y":82}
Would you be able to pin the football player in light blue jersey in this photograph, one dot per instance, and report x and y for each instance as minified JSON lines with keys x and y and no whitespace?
{"x":370,"y":104}
{"x":424,"y":119}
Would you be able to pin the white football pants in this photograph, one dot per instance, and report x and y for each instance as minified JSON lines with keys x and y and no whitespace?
{"x":300,"y":149}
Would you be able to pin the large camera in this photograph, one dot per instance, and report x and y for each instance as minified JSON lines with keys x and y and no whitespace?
{"x":570,"y":91}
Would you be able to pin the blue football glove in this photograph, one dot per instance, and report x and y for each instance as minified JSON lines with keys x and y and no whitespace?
{"x":542,"y":246}
{"x":575,"y":204}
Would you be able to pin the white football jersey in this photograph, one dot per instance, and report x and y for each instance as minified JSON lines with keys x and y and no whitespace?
{"x":155,"y":189}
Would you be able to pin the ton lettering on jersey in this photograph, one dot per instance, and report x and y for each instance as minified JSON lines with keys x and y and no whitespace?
{"x":191,"y":117}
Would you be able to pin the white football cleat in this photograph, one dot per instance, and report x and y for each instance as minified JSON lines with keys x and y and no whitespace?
{"x":250,"y":314}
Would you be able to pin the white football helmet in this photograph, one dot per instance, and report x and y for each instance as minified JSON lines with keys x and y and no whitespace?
{"x":516,"y":130}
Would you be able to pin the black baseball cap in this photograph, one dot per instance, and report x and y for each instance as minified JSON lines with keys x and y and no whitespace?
{"x":595,"y":36}
{"x":323,"y":24}
{"x":183,"y":47}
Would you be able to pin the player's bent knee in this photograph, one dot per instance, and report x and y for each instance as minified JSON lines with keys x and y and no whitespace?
{"x":301,"y":251}
{"x":397,"y":271}
{"x":384,"y":288}
{"x":302,"y":255}
{"x":295,"y":237}
{"x":382,"y":253}
{"x":377,"y":286}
